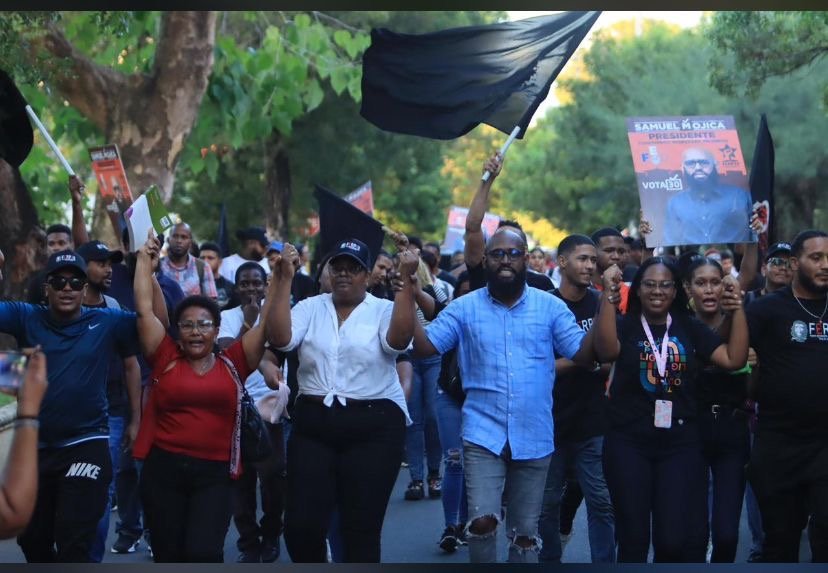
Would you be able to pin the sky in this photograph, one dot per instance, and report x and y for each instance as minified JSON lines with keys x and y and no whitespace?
{"x":608,"y":18}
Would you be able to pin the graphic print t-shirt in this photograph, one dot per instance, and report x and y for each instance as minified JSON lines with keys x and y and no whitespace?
{"x":637,"y":384}
{"x":792,"y":348}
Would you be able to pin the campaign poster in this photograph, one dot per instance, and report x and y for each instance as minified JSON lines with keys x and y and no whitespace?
{"x":456,"y":228}
{"x":112,"y":182}
{"x":692,"y":180}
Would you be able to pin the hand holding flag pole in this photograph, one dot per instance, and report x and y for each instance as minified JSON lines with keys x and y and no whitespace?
{"x":50,"y":141}
{"x":512,"y":136}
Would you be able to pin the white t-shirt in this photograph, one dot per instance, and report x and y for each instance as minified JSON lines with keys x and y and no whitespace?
{"x":231,"y":323}
{"x":354,"y":361}
{"x":230,"y":265}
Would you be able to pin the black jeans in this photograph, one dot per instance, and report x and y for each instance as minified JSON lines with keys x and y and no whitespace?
{"x":270,"y":474}
{"x":789,"y":475}
{"x":72,"y":495}
{"x":129,"y":498}
{"x":346,"y":457}
{"x":187,"y":507}
{"x":653,"y":473}
{"x":726,"y":449}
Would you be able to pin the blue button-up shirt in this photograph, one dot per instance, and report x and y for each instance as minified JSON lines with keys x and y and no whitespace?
{"x":507,"y":361}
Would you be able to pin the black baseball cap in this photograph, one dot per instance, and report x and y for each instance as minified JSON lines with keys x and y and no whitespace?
{"x":253,"y":234}
{"x":777,"y":249}
{"x":66,"y":260}
{"x":355,"y":249}
{"x":98,"y":251}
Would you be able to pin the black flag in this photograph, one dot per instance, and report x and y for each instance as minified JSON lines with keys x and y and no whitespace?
{"x":339,"y":220}
{"x":223,"y":235}
{"x":442,"y":85}
{"x":16,"y":136}
{"x":761,"y":184}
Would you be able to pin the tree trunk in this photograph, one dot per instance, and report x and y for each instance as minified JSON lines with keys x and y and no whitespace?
{"x":278,"y":189}
{"x":150,"y":116}
{"x":22,"y":241}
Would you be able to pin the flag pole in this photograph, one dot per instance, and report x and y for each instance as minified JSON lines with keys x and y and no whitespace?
{"x":512,"y":136}
{"x":49,"y":140}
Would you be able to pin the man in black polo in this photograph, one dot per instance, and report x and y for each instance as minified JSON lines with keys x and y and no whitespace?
{"x":789,"y":463}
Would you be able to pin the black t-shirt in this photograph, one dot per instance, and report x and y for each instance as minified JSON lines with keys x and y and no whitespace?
{"x":792,"y":348}
{"x":636,"y":384}
{"x":477,"y":279}
{"x":34,"y":290}
{"x":226,"y":296}
{"x":579,"y":404}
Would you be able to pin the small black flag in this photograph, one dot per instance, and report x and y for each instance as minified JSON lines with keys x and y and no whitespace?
{"x":16,"y":136}
{"x":442,"y":85}
{"x":223,"y":235}
{"x":761,"y":184}
{"x":339,"y":220}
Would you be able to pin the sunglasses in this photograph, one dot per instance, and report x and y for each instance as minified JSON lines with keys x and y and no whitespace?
{"x":498,"y":255}
{"x":186,"y":326}
{"x":690,"y":163}
{"x":59,"y":283}
{"x":779,"y":262}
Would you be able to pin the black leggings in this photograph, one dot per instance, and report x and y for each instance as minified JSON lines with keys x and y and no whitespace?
{"x":346,"y":457}
{"x":653,"y":473}
{"x":187,"y":507}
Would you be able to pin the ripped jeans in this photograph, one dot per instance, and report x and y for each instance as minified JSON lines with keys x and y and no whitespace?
{"x":486,"y":476}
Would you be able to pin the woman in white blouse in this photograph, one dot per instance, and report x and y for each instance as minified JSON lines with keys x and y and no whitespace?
{"x":350,"y":415}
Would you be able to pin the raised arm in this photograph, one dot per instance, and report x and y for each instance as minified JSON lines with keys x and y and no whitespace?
{"x":750,"y":259}
{"x":80,"y":236}
{"x":733,"y":354}
{"x":150,"y":329}
{"x":277,"y":318}
{"x":601,"y":342}
{"x":18,"y":490}
{"x":404,"y":315}
{"x":132,"y":381}
{"x":644,"y":229}
{"x":475,"y":242}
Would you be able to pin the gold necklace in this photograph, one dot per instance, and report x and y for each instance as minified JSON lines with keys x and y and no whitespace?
{"x":202,"y":370}
{"x":824,"y":310}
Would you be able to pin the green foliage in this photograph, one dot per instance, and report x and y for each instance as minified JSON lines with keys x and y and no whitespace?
{"x":575,"y":167}
{"x":753,"y":47}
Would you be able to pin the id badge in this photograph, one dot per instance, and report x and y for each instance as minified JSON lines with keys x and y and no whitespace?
{"x":663,"y":414}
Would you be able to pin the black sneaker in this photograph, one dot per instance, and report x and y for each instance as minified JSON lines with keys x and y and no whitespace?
{"x":270,"y":551}
{"x":448,"y":541}
{"x":125,"y":544}
{"x":415,"y":491}
{"x":253,"y":556}
{"x":460,"y":532}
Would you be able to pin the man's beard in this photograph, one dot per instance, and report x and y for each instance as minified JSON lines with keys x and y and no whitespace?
{"x":711,"y":181}
{"x":810,"y":285}
{"x":505,"y":289}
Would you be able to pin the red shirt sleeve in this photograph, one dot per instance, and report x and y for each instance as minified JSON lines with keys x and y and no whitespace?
{"x":235,"y":352}
{"x":166,"y":352}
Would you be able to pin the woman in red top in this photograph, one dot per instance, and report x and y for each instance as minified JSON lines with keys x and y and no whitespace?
{"x":188,"y":437}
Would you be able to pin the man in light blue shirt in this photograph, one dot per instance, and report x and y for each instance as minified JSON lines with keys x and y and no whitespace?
{"x":507,"y":336}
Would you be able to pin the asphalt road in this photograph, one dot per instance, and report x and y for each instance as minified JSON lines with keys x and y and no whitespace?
{"x":410,"y":535}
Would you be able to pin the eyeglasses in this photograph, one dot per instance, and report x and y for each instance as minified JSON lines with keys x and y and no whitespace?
{"x":663,"y":285}
{"x":498,"y":255}
{"x":350,"y":269}
{"x":190,"y":325}
{"x":779,"y":262}
{"x":59,"y":283}
{"x":690,"y":163}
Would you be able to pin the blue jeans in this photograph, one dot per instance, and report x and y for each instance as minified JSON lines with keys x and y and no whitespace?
{"x":486,"y":476}
{"x":116,"y":438}
{"x":586,"y":458}
{"x":422,"y":435}
{"x":449,"y":418}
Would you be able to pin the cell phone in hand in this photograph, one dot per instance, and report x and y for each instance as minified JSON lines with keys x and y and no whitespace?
{"x":12,"y":370}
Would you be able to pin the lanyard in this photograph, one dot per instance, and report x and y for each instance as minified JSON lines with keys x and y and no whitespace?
{"x":660,"y":356}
